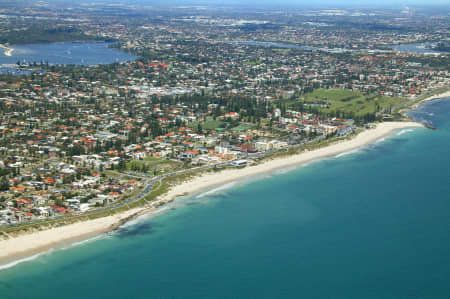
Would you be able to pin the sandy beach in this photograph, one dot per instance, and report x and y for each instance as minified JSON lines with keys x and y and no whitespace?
{"x":435,"y":97}
{"x":215,"y":179}
{"x":31,"y":244}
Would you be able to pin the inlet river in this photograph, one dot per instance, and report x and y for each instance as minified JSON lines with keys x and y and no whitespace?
{"x":61,"y":53}
{"x":373,"y":223}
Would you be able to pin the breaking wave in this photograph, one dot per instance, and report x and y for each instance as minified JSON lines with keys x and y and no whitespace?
{"x":404,"y":131}
{"x":217,"y":190}
{"x":26,"y":259}
{"x":347,"y":153}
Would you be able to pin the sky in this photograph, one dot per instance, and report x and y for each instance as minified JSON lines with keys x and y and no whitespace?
{"x":315,"y":2}
{"x":299,"y":3}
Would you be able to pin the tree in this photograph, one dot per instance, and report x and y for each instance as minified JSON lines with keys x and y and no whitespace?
{"x":4,"y":184}
{"x":122,"y":165}
{"x":59,"y":202}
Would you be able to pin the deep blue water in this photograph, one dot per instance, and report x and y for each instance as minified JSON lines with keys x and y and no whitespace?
{"x":65,"y":53}
{"x":371,"y":224}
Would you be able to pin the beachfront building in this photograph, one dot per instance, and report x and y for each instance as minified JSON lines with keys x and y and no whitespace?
{"x":239,"y":163}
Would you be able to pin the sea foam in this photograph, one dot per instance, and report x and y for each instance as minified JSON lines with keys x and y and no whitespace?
{"x":347,"y":153}
{"x":404,"y":131}
{"x":217,"y":190}
{"x":48,"y":252}
{"x":287,"y":169}
{"x":82,"y":242}
{"x":26,"y":259}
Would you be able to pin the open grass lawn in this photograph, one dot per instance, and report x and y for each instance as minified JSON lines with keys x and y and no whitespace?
{"x":349,"y":101}
{"x":210,"y":124}
{"x":242,"y":128}
{"x":253,"y":62}
{"x":152,"y":164}
{"x":154,"y":161}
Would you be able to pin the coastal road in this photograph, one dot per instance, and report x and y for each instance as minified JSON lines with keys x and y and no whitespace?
{"x":150,"y":182}
{"x":420,"y":98}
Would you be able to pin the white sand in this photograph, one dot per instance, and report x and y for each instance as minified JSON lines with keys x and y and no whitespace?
{"x":213,"y":179}
{"x":30,"y":244}
{"x":435,"y":97}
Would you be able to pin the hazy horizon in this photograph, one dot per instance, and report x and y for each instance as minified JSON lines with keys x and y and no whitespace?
{"x":260,"y":3}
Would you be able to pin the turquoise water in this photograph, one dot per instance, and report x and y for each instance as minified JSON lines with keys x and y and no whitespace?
{"x":371,"y":224}
{"x":64,"y":53}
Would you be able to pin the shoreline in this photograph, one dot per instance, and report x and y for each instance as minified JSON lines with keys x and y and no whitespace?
{"x":445,"y":94}
{"x":40,"y":242}
{"x":416,"y":103}
{"x":211,"y":180}
{"x":35,"y":243}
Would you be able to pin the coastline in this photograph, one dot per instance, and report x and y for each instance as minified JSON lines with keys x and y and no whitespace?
{"x":32,"y":244}
{"x":39,"y":242}
{"x":209,"y":180}
{"x":445,"y":94}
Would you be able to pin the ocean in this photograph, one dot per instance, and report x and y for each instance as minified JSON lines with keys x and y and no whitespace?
{"x":373,"y":223}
